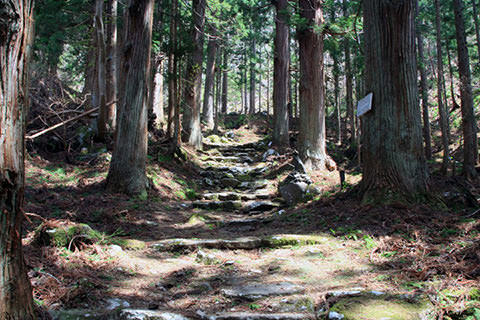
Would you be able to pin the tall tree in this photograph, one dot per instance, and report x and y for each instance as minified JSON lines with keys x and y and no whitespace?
{"x":424,"y":95}
{"x":172,"y":72}
{"x":477,"y":27}
{"x":441,"y":93}
{"x":312,"y":99}
{"x":349,"y":82}
{"x":252,"y":76}
{"x":156,"y":97}
{"x":225,"y":81}
{"x":101,"y":88}
{"x":127,"y":168}
{"x":280,"y":76}
{"x":16,"y":28}
{"x":210,"y":81}
{"x":112,"y":63}
{"x":392,"y":152}
{"x":193,"y":81}
{"x":470,"y":146}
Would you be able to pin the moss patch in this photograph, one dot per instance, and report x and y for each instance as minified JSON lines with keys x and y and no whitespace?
{"x":381,"y":307}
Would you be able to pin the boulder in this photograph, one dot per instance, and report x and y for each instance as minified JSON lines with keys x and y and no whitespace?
{"x":297,"y":187}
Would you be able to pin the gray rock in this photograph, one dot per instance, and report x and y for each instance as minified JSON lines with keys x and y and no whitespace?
{"x":260,"y":206}
{"x":209,"y":182}
{"x":269,"y":153}
{"x":230,"y":182}
{"x":293,"y":192}
{"x":115,"y":303}
{"x":299,"y":165}
{"x":189,"y":244}
{"x":260,"y":290}
{"x":213,"y":205}
{"x":256,"y":316}
{"x":137,"y":314}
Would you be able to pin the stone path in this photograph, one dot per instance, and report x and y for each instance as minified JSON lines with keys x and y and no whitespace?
{"x":287,"y":277}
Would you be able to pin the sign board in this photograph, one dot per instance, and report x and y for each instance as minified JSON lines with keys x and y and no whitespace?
{"x":364,"y":105}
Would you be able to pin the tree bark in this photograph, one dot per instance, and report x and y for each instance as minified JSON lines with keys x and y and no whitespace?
{"x":336,"y":86}
{"x":157,"y":93}
{"x":16,"y":33}
{"x":280,"y":76}
{"x":392,"y":151}
{"x":424,"y":95}
{"x":470,"y":146}
{"x":349,"y":83}
{"x":193,"y":81}
{"x":440,"y":94}
{"x":209,"y":82}
{"x":172,"y":71}
{"x":111,"y":67}
{"x":101,"y":72}
{"x":225,"y":81}
{"x":252,"y":77}
{"x":312,"y":100}
{"x":127,"y":168}
{"x":477,"y":28}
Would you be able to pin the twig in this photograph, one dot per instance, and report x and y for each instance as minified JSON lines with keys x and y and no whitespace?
{"x":61,"y":124}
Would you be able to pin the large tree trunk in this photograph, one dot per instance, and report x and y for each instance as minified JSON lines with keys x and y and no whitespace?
{"x":280,"y":76}
{"x":349,"y":83}
{"x":101,"y":89}
{"x":336,"y":86}
{"x":127,"y":168}
{"x":16,"y":30}
{"x":470,"y":147}
{"x":172,"y":72}
{"x":424,"y":95}
{"x":112,"y":63}
{"x":440,"y":94}
{"x":157,"y":93}
{"x":225,"y":81}
{"x":210,"y":81}
{"x":218,"y":90}
{"x":392,"y":152}
{"x":477,"y":28}
{"x":193,"y":81}
{"x":252,"y":77}
{"x":312,"y":100}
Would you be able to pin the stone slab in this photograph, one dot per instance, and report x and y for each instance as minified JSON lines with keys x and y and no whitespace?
{"x":255,"y":291}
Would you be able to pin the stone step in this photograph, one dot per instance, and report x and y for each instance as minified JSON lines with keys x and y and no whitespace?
{"x":214,"y":205}
{"x":223,"y":196}
{"x":236,"y":205}
{"x":256,"y":316}
{"x":246,"y":243}
{"x":117,"y":314}
{"x":230,"y":158}
{"x":255,"y":291}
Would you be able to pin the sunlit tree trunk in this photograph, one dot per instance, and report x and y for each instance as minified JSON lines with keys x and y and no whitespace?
{"x":312,"y":100}
{"x":127,"y":168}
{"x":156,"y":100}
{"x":172,"y":72}
{"x":392,"y":151}
{"x":440,"y":94}
{"x":470,"y":146}
{"x":210,"y":82}
{"x":112,"y":63}
{"x":280,"y":76}
{"x":16,"y":31}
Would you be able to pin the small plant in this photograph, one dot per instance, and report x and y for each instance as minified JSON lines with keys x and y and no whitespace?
{"x":253,"y":306}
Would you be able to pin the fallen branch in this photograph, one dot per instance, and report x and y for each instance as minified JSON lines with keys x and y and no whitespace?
{"x":33,"y":136}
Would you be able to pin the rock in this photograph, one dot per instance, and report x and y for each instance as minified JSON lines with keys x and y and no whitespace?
{"x":230,"y":182}
{"x":256,"y":316}
{"x":335,"y":315}
{"x":293,"y":192}
{"x":213,"y":205}
{"x":206,"y":258}
{"x":115,"y":250}
{"x":295,"y":187}
{"x":260,"y":290}
{"x":269,"y":153}
{"x":137,"y":314}
{"x":208,"y":182}
{"x":367,"y":305}
{"x":260,"y":206}
{"x":115,"y":303}
{"x":66,"y":235}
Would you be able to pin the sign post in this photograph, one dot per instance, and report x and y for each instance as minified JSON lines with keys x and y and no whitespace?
{"x":364,"y":105}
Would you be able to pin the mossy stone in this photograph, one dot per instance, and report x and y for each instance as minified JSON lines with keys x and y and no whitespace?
{"x":380,"y":307}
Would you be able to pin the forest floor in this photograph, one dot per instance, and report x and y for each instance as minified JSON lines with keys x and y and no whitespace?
{"x":213,"y":240}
